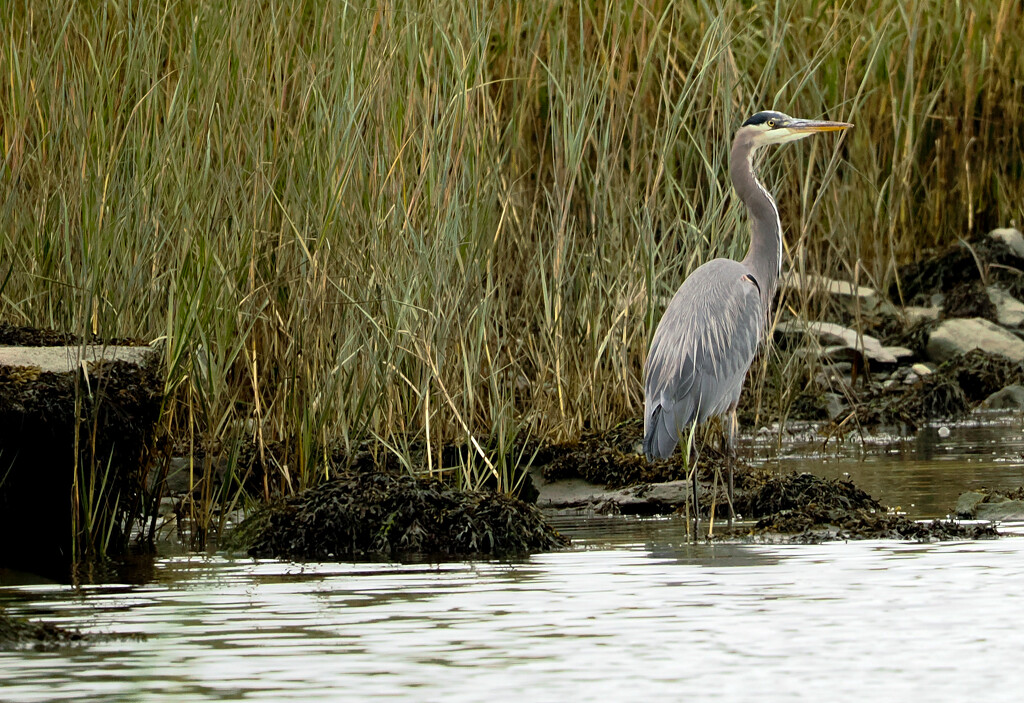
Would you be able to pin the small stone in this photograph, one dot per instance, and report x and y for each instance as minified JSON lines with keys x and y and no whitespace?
{"x":943,"y":432}
{"x":915,"y":314}
{"x":921,"y":369}
{"x":911,"y":378}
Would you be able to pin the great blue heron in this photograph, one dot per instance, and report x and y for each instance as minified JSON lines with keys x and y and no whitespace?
{"x":707,"y":337}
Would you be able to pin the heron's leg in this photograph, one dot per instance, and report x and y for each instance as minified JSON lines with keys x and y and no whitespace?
{"x":692,"y":457}
{"x":730,"y":457}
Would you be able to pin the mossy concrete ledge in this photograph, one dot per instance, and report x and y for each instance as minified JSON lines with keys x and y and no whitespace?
{"x":77,"y":426}
{"x":374,"y":515}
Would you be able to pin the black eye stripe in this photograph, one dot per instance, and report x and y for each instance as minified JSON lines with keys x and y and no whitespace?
{"x":769,"y":118}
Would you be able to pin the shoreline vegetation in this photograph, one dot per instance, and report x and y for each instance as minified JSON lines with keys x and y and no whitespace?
{"x":421,"y":226}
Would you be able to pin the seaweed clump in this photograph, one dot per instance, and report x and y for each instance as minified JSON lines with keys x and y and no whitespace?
{"x":24,"y":336}
{"x":948,"y":393}
{"x":935,"y":396}
{"x":969,"y":299}
{"x":16,"y":632}
{"x":601,"y":464}
{"x":768,"y":494}
{"x":814,"y":523}
{"x":956,"y":265}
{"x":816,"y":509}
{"x":610,"y":458}
{"x":981,"y":374}
{"x":360,"y":515}
{"x":20,"y":336}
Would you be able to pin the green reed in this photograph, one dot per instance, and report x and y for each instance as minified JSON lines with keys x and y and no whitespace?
{"x":446,"y":222}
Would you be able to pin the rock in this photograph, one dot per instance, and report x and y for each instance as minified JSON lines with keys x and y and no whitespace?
{"x":1001,"y":510}
{"x":645,"y":499}
{"x":967,"y":503}
{"x":835,"y":405}
{"x":67,"y":411}
{"x":66,"y":359}
{"x":959,"y":336}
{"x":834,"y":337}
{"x":1011,"y":237}
{"x":921,"y":369}
{"x":1009,"y":398}
{"x":1009,"y":310}
{"x":916,"y":314}
{"x":854,"y":297}
{"x":994,"y":507}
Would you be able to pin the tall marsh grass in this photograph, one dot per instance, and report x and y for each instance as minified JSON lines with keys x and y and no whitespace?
{"x":458,"y":221}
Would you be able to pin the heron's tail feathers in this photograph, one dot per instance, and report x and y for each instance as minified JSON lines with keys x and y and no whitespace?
{"x":661,"y":435}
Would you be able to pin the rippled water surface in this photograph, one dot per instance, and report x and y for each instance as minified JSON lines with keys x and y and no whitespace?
{"x":631,"y":613}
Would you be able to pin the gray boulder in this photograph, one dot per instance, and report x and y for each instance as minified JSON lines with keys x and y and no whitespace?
{"x":67,"y":359}
{"x":960,"y":335}
{"x":1009,"y":310}
{"x":1012,"y":237}
{"x":836,"y":338}
{"x":581,"y":495}
{"x":1009,"y":398}
{"x":992,"y":507}
{"x":967,"y":504}
{"x":1000,"y":511}
{"x":853,"y":296}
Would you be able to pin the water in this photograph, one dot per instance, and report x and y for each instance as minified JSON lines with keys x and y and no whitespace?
{"x":921,"y":475}
{"x":633,"y":612}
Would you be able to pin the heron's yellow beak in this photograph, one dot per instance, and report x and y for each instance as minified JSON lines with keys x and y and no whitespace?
{"x":816,"y":126}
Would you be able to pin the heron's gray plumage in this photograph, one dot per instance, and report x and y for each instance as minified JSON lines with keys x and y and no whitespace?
{"x":695,"y":371}
{"x":707,"y":338}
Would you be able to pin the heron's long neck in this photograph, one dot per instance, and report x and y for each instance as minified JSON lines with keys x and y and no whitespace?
{"x":765,"y":254}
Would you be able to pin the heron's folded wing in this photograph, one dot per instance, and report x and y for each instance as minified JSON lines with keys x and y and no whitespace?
{"x":704,"y":344}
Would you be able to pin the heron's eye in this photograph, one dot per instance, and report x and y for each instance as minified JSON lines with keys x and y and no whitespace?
{"x":771,"y":124}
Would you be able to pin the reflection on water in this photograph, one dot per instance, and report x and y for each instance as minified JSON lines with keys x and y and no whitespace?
{"x":634,"y":612}
{"x":651,"y":618}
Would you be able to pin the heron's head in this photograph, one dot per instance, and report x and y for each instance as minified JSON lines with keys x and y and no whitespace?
{"x":768,"y":127}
